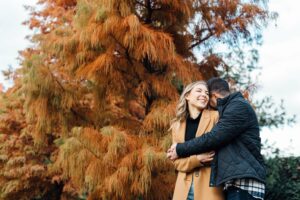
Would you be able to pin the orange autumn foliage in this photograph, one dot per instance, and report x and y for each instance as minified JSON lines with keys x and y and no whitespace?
{"x":96,"y":93}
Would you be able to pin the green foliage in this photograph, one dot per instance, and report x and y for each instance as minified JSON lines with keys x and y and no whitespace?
{"x":83,"y":13}
{"x":271,"y":114}
{"x":283,"y":178}
{"x":100,"y":14}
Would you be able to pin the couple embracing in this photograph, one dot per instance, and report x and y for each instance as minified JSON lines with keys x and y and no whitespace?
{"x":216,"y":151}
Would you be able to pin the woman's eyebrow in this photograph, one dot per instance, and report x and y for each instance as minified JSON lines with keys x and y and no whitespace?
{"x":199,"y":89}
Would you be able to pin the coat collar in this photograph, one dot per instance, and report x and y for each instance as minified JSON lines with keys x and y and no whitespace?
{"x":204,"y":122}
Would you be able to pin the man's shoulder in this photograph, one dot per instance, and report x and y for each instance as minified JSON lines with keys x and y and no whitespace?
{"x":238,"y":106}
{"x":240,"y":102}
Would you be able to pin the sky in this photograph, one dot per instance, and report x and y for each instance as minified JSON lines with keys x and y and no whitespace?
{"x":279,"y":59}
{"x":280,"y":62}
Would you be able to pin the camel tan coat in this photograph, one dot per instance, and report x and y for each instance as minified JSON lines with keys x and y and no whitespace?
{"x":191,"y":169}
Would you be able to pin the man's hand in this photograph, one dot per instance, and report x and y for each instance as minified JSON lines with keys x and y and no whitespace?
{"x":206,"y":158}
{"x":171,"y":153}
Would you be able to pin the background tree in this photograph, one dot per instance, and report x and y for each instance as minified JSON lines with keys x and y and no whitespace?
{"x":23,"y":171}
{"x":283,"y":177}
{"x":99,"y":88}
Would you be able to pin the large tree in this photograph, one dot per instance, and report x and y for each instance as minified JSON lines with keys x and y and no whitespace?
{"x":99,"y":86}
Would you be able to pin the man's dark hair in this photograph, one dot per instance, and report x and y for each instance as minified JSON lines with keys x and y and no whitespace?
{"x":218,"y":85}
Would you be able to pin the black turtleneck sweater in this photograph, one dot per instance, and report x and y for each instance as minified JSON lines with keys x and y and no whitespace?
{"x":191,"y":127}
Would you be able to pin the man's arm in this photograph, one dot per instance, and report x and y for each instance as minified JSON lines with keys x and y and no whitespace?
{"x":230,"y":125}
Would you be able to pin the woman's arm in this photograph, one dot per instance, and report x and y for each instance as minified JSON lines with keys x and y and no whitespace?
{"x":189,"y":163}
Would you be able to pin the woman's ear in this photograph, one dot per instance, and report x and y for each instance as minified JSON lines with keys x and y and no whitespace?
{"x":187,"y":96}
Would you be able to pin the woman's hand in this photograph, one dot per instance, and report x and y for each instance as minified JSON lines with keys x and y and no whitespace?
{"x":205,"y":158}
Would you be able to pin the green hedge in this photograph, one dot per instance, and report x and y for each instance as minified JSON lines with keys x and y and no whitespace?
{"x":283,"y":178}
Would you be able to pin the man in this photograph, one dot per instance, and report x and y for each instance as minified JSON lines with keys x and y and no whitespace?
{"x":238,"y":164}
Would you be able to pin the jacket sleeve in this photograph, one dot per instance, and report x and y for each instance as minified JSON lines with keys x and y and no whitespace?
{"x":230,"y":125}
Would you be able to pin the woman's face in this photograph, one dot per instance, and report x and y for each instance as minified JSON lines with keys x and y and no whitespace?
{"x":198,"y":97}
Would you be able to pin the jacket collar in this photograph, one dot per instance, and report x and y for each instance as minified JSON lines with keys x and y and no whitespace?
{"x":225,"y":100}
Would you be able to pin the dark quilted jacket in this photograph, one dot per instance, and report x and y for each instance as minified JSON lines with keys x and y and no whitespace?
{"x":236,"y":140}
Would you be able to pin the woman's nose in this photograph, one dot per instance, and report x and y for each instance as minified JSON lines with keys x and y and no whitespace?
{"x":204,"y":95}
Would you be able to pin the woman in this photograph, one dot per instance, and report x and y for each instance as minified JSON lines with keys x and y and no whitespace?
{"x":192,"y":120}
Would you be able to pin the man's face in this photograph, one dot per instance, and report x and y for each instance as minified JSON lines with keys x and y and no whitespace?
{"x":213,"y":100}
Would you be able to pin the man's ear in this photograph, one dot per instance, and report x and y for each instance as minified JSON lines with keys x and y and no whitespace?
{"x":214,"y":95}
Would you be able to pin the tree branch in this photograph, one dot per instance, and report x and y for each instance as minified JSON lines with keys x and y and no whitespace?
{"x":211,"y":33}
{"x":149,"y":12}
{"x":200,"y":41}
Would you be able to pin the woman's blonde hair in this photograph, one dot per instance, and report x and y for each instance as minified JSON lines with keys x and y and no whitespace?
{"x":182,"y":110}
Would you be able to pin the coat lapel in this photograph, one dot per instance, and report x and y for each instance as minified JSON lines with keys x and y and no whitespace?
{"x":181,"y":132}
{"x":202,"y":127}
{"x":204,"y":122}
